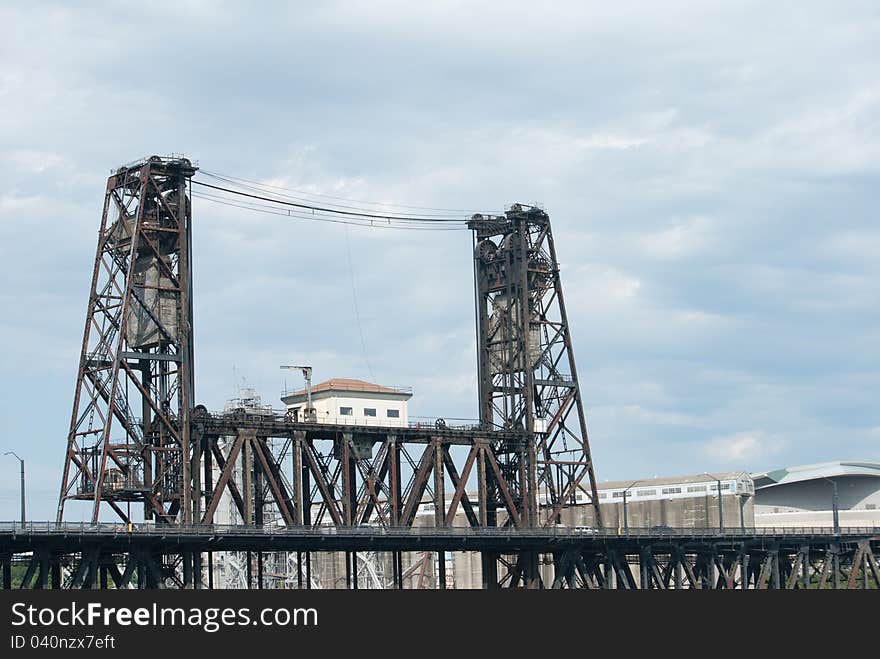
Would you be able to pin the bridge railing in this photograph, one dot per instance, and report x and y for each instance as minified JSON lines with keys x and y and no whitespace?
{"x":87,"y":528}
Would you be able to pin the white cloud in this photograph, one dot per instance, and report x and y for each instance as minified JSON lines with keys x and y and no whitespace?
{"x":742,"y":449}
{"x":36,"y":162}
{"x":607,"y":286}
{"x":686,"y":237}
{"x":649,"y":417}
{"x":834,"y":139}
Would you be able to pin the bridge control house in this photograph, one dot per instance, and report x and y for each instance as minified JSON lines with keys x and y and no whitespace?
{"x":346,"y":401}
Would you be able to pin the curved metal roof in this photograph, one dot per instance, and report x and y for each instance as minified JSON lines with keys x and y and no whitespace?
{"x":814,"y":472}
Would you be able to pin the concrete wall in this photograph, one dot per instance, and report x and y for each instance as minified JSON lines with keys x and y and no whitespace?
{"x":692,"y":512}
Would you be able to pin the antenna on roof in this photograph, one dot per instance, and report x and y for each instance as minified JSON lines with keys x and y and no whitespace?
{"x":309,"y":413}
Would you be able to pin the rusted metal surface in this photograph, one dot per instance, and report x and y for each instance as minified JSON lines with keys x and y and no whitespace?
{"x":357,"y":476}
{"x":527,"y":373}
{"x":696,"y":559}
{"x":129,"y":436}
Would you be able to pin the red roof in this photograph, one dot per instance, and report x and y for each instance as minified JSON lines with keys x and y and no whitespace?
{"x":349,"y":384}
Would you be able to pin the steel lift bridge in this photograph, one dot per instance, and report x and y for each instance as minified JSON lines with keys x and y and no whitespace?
{"x":139,"y":442}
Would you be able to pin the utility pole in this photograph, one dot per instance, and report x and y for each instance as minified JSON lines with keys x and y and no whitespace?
{"x":835,"y":505}
{"x":309,"y":413}
{"x":625,"y":520}
{"x":23,"y":517}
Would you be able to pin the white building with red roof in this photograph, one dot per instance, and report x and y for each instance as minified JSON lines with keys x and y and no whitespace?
{"x":353,"y":402}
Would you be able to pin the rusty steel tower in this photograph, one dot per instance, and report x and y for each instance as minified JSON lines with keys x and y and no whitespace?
{"x":129,"y":438}
{"x":527,"y":375}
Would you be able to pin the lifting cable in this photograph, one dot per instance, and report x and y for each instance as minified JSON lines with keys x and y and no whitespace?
{"x":333,"y":211}
{"x":300,"y":195}
{"x":319,"y":217}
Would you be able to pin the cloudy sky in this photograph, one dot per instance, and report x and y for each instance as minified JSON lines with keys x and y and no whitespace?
{"x":711,"y":170}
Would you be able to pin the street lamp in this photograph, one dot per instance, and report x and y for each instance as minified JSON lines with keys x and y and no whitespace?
{"x":835,"y":505}
{"x":625,"y":520}
{"x":22,"y":484}
{"x":720,"y":506}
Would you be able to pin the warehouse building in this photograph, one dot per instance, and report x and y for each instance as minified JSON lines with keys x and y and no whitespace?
{"x":675,"y":502}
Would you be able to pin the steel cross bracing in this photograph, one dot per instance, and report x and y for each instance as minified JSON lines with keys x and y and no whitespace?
{"x":527,"y":374}
{"x":347,"y":475}
{"x":101,"y":556}
{"x":129,"y":430}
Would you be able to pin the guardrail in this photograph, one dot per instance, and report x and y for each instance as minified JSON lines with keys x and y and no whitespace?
{"x":85,"y":528}
{"x":268,"y":413}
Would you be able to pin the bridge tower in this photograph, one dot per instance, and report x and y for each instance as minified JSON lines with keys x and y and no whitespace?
{"x":129,"y":437}
{"x":527,"y":375}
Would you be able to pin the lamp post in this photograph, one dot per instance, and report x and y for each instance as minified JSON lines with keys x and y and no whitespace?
{"x":23,"y":517}
{"x":720,"y":506}
{"x":625,"y":520}
{"x":835,"y":505}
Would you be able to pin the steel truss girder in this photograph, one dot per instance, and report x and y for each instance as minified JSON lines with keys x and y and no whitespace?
{"x":667,"y":566}
{"x":850,"y":566}
{"x":351,"y":480}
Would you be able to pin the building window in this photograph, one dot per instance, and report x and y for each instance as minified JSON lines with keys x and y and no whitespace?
{"x":617,"y":495}
{"x":646,"y":493}
{"x":345,"y":411}
{"x":671,"y":490}
{"x":697,"y":488}
{"x":870,"y":506}
{"x":369,"y":411}
{"x":393,"y":414}
{"x":602,"y":495}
